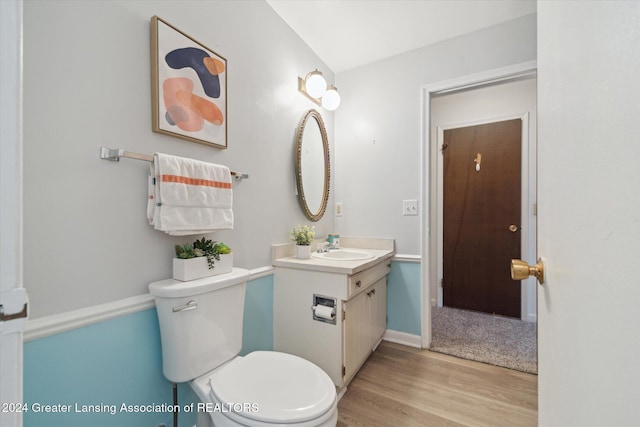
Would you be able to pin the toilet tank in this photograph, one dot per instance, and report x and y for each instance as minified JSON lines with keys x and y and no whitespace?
{"x":200,"y":322}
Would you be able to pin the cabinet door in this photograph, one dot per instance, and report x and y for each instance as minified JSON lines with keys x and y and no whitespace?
{"x":378,"y":311}
{"x":357,"y":344}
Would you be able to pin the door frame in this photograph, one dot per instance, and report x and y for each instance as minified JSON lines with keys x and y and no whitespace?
{"x":527,"y":220}
{"x":428,"y":178}
{"x":12,"y":295}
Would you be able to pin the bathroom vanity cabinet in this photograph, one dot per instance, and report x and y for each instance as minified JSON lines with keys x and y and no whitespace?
{"x":357,"y":288}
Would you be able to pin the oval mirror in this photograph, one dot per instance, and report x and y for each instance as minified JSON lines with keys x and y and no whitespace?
{"x":312,"y":165}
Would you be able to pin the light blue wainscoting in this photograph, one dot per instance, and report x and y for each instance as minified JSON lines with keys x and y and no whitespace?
{"x":119,"y":361}
{"x":258,"y":316}
{"x":114,"y":362}
{"x":403,"y":298}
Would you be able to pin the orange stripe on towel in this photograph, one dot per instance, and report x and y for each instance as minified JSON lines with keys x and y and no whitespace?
{"x":195,"y":181}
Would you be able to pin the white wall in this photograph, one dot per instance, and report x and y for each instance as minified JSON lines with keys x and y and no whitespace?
{"x":589,"y":213}
{"x":87,"y":84}
{"x":491,"y":103}
{"x":378,"y":125}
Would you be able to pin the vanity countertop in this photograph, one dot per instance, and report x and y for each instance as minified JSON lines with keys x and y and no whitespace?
{"x":381,"y":249}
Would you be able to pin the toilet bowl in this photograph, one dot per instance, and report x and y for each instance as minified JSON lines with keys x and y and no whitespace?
{"x":267,"y":388}
{"x":201,"y":336}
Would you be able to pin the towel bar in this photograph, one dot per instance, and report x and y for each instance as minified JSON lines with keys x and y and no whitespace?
{"x":114,"y":155}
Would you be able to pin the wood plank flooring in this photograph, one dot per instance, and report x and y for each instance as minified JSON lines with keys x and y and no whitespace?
{"x":402,"y":386}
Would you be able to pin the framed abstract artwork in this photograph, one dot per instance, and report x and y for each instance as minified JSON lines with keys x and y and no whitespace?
{"x":189,"y":87}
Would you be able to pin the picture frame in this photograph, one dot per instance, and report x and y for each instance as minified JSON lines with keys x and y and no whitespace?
{"x":189,"y":87}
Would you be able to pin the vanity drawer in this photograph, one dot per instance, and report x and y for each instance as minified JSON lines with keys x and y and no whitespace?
{"x":360,"y":281}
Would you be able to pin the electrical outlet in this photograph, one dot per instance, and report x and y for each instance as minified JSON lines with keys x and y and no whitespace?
{"x":409,"y":207}
{"x":339,"y":209}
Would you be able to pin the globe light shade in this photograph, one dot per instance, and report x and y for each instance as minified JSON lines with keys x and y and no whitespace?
{"x":331,"y":98}
{"x":315,"y":84}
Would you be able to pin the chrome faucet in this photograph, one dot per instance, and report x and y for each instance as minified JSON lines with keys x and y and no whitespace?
{"x":323,"y":247}
{"x":326,"y":247}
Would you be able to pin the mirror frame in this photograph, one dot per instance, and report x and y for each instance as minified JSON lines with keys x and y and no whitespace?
{"x":315,"y":115}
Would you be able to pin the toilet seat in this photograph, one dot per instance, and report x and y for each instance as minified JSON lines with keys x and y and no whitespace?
{"x":282,"y":388}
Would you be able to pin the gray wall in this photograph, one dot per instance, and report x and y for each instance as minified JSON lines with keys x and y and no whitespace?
{"x":87,"y":84}
{"x":378,"y":125}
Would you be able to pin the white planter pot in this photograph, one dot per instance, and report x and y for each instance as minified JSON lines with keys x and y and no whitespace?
{"x":197,"y":268}
{"x":303,"y":251}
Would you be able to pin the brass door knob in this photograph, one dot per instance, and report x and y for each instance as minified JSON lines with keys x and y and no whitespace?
{"x":520,"y":270}
{"x":513,"y":228}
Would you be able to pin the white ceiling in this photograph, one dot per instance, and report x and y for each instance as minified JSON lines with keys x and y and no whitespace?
{"x":349,"y":33}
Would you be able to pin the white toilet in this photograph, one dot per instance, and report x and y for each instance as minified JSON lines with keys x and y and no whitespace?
{"x":201,"y":332}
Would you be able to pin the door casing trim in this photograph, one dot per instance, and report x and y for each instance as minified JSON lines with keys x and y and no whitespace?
{"x":428,"y":240}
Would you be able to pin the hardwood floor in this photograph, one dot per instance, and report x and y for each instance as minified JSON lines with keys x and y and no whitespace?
{"x":402,"y":386}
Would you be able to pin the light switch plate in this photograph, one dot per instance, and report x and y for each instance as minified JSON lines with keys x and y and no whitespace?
{"x":409,"y":207}
{"x":339,"y":209}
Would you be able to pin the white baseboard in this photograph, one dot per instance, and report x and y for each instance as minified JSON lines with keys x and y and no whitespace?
{"x":57,"y":323}
{"x":402,"y":338}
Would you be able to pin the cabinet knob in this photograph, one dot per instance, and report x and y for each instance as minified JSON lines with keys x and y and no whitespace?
{"x":358,"y":284}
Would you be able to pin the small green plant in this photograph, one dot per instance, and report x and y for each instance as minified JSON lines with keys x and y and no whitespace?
{"x":303,"y":235}
{"x":203,"y":247}
{"x":185,"y":251}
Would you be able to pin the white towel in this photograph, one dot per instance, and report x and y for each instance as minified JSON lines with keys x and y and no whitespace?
{"x":189,"y":196}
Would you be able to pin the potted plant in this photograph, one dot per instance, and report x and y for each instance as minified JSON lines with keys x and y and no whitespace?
{"x":201,"y":258}
{"x":303,"y":235}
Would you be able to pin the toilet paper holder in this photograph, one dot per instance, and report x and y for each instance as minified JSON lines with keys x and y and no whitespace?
{"x":324,"y":309}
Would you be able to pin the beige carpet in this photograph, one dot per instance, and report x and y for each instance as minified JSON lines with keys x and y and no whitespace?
{"x":497,"y":340}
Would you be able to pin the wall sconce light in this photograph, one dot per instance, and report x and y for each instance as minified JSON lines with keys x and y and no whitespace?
{"x":314,"y":87}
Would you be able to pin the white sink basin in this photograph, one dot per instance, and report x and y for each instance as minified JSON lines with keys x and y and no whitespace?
{"x":343,"y":255}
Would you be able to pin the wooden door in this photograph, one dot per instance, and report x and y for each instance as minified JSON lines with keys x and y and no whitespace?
{"x":481,"y":216}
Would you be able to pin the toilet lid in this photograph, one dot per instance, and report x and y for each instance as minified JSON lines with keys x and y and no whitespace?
{"x":274,"y":387}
